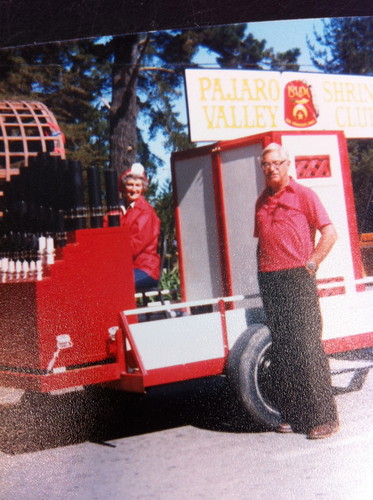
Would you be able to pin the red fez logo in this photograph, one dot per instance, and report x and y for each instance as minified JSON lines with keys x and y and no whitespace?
{"x":300,"y":110}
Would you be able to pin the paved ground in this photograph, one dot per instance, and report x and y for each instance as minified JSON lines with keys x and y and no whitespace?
{"x":183,"y":442}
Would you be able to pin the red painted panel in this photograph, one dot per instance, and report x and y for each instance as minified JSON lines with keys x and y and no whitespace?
{"x":189,"y":371}
{"x":55,"y":381}
{"x":178,"y":228}
{"x":350,"y":207}
{"x":351,"y":343}
{"x":81,"y":296}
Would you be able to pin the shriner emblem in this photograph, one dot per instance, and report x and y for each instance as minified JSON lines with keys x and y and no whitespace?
{"x":300,"y":110}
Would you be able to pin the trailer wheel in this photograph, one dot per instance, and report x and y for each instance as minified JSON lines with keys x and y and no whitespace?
{"x":248,"y":370}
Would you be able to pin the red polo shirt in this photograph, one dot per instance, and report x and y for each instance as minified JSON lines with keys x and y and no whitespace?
{"x":286,"y":224}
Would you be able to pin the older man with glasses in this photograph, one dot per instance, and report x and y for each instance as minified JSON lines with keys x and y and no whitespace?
{"x":287,"y":217}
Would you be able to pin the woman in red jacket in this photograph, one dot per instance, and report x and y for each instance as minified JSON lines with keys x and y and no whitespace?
{"x":143,"y":225}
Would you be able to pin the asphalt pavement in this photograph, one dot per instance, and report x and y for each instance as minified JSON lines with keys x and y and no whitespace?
{"x":185,"y":441}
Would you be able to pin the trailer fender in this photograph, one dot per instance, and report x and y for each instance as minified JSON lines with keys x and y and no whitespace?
{"x":248,"y":371}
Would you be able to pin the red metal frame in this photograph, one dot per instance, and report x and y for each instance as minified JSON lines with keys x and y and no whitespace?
{"x":338,"y":289}
{"x":222,"y":308}
{"x":139,"y":366}
{"x":351,"y":210}
{"x":351,"y":343}
{"x":178,"y":230}
{"x":75,"y":377}
{"x":179,"y":373}
{"x":136,"y":378}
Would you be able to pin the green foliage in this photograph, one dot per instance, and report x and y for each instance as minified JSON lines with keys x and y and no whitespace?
{"x":163,"y":205}
{"x":170,"y":280}
{"x":345,"y":46}
{"x":361,"y":160}
{"x":72,"y":78}
{"x":68,"y":79}
{"x":235,"y":48}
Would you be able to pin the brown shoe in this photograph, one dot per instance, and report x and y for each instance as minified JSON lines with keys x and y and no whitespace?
{"x":284,"y":428}
{"x":323,"y":431}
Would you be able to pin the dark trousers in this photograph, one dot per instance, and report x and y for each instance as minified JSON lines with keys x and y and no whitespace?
{"x":299,"y":368}
{"x":143,"y":281}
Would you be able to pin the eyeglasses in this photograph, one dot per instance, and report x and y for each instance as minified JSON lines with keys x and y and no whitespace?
{"x":276,"y":164}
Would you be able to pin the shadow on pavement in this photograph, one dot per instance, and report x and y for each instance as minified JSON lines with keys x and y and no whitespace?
{"x":100,"y":415}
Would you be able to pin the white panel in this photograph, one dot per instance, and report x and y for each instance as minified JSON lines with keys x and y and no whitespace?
{"x":178,"y":341}
{"x":345,"y":315}
{"x":331,"y":193}
{"x":199,"y":240}
{"x":238,"y":320}
{"x":242,"y":182}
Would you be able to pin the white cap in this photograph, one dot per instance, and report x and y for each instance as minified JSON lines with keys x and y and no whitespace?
{"x":138,"y":170}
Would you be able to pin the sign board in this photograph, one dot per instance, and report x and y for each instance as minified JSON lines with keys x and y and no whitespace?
{"x":228,"y":104}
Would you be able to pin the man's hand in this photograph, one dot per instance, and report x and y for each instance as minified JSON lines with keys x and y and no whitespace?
{"x":325,"y":244}
{"x":311,"y":267}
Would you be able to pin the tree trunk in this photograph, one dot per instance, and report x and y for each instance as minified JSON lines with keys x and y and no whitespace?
{"x":124,"y":107}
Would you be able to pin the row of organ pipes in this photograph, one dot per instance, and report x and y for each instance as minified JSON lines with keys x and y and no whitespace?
{"x":44,"y":202}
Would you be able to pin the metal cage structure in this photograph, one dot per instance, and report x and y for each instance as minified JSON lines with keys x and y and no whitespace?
{"x":26,"y":129}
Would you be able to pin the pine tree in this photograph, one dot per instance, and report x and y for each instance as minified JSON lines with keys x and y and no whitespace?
{"x":151,"y":67}
{"x":345,"y":46}
{"x":124,"y":105}
{"x":68,"y":80}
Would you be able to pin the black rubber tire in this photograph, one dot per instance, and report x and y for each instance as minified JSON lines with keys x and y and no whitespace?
{"x":248,"y":371}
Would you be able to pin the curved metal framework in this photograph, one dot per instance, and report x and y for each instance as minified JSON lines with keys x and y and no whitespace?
{"x":26,"y":129}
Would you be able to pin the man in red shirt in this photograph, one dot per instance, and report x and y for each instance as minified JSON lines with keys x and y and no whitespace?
{"x":287,"y":217}
{"x":143,"y":224}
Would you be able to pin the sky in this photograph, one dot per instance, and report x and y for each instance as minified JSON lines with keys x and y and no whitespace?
{"x":284,"y":35}
{"x":281,"y":36}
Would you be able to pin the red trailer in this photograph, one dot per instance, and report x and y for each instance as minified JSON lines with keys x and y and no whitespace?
{"x":74,"y":321}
